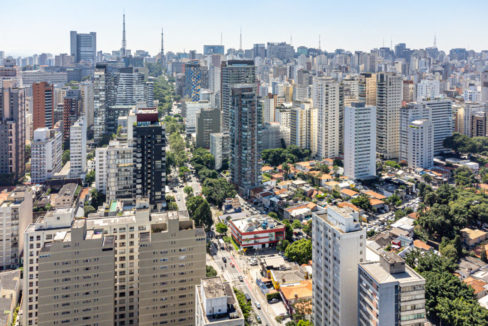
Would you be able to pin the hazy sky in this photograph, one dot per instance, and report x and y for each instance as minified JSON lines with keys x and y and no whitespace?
{"x":29,"y":26}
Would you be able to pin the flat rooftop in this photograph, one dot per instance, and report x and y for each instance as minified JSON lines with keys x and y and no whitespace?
{"x":380,"y":275}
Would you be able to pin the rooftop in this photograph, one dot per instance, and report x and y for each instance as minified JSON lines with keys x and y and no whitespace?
{"x":381,"y":276}
{"x":303,"y":290}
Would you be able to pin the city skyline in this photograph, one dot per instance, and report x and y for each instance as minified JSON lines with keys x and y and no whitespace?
{"x":337,"y":24}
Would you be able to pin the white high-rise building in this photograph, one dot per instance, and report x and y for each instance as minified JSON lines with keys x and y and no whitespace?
{"x":219,"y":146}
{"x":326,"y":98}
{"x":46,"y":154}
{"x":87,"y":97}
{"x":360,"y":141}
{"x":302,"y":126}
{"x":388,"y":104}
{"x":428,"y":89}
{"x":339,"y":245}
{"x":409,"y":113}
{"x":484,"y":85}
{"x":114,"y":170}
{"x":390,"y":293}
{"x":442,"y":121}
{"x":15,"y":215}
{"x":420,"y":150}
{"x":268,"y":104}
{"x":77,"y":153}
{"x":190,"y":111}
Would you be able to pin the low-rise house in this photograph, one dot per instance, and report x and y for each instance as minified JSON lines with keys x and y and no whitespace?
{"x":405,"y":223}
{"x":473,"y":237}
{"x":421,"y":245}
{"x":349,"y":193}
{"x":479,"y":286}
{"x":298,"y":298}
{"x":376,"y":204}
{"x":301,"y":211}
{"x":374,"y":194}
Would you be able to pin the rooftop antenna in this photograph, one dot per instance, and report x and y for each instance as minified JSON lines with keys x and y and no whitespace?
{"x":291,"y":39}
{"x":124,"y":43}
{"x":162,"y":44}
{"x":221,"y":43}
{"x":391,"y":43}
{"x":240,"y":38}
{"x":435,"y":40}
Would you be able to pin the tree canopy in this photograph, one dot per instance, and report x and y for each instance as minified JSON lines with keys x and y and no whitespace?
{"x":199,"y":211}
{"x":299,"y":251}
{"x":447,"y":299}
{"x":291,"y":154}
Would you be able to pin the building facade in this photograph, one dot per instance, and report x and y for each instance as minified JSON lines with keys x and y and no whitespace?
{"x":46,"y":154}
{"x":338,"y":245}
{"x":77,"y":152}
{"x":43,"y":105}
{"x":420,"y":150}
{"x":15,"y":216}
{"x":207,"y":123}
{"x":390,"y":293}
{"x":149,"y":158}
{"x":245,"y":138}
{"x":83,"y":46}
{"x":388,"y":104}
{"x":360,"y":141}
{"x":442,"y":120}
{"x":327,"y":98}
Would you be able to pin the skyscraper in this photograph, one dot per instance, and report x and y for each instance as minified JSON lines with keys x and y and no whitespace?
{"x":77,"y":153}
{"x":327,"y":100}
{"x":193,"y":80}
{"x":43,"y":105}
{"x":12,"y":132}
{"x":245,"y":138}
{"x":409,"y":113}
{"x":339,"y":245}
{"x":360,"y":141}
{"x":84,"y":47}
{"x":388,"y":104}
{"x":149,"y":158}
{"x":367,"y":88}
{"x":207,"y":123}
{"x":46,"y":152}
{"x":72,"y":111}
{"x":442,"y":121}
{"x":233,"y":72}
{"x":428,"y":89}
{"x":484,"y":85}
{"x":420,"y":150}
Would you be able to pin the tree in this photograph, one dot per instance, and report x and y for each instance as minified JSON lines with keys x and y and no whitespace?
{"x":188,"y":190}
{"x":89,"y":209}
{"x":362,"y":201}
{"x":304,"y":323}
{"x":337,"y":162}
{"x":300,"y":251}
{"x":97,"y":198}
{"x":296,"y":224}
{"x":90,"y":177}
{"x":282,"y":245}
{"x":65,"y":156}
{"x":273,"y":215}
{"x":243,"y":303}
{"x":464,"y":177}
{"x":221,"y":228}
{"x":217,"y":190}
{"x":288,"y":230}
{"x":199,"y":211}
{"x":307,"y":228}
{"x":211,"y":272}
{"x":27,"y":152}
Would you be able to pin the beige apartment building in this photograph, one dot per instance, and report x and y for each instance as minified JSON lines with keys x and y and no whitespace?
{"x":158,"y":259}
{"x":76,"y":278}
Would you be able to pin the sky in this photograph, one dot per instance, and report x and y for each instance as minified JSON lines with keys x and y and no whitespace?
{"x":33,"y":26}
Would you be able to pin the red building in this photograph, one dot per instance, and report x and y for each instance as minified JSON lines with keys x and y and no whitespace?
{"x":257,"y":232}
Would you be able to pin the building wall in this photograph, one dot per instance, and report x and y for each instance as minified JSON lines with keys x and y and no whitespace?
{"x":360,"y":141}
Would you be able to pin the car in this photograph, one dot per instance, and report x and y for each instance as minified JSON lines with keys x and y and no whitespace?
{"x":241,"y":278}
{"x":248,"y":297}
{"x":258,"y":305}
{"x":224,"y":260}
{"x":258,"y":319}
{"x":274,"y":300}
